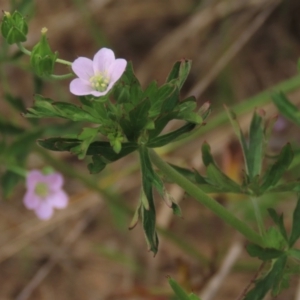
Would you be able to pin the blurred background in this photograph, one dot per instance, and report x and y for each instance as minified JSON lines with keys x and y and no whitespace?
{"x":239,"y":48}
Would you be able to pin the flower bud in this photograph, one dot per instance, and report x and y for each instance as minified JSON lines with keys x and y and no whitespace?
{"x":14,"y":27}
{"x":42,"y":58}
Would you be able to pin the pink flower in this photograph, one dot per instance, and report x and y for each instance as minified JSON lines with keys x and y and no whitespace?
{"x":96,"y":77}
{"x":44,"y":193}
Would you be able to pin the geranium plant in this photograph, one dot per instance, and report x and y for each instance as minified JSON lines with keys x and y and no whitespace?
{"x":121,"y":117}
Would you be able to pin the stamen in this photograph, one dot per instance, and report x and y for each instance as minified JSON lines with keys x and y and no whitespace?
{"x":41,"y":189}
{"x":99,"y":82}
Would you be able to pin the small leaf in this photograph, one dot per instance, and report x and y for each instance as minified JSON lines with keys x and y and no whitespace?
{"x":148,"y":215}
{"x":165,"y":139}
{"x":97,"y":165}
{"x":206,"y":155}
{"x":103,"y":149}
{"x":274,"y":239}
{"x":86,"y":136}
{"x":46,"y":107}
{"x":266,"y":283}
{"x":263,"y":253}
{"x":255,"y":150}
{"x":179,"y":72}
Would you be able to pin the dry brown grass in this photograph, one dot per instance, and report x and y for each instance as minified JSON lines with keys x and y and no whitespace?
{"x":238,"y":49}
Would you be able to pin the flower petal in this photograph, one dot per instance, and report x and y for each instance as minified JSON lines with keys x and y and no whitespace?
{"x":44,"y":211}
{"x":80,"y":88}
{"x":103,"y":59}
{"x":58,"y":199}
{"x":31,"y":200}
{"x":116,"y":70}
{"x":83,"y":68}
{"x":54,"y":181}
{"x":32,"y":178}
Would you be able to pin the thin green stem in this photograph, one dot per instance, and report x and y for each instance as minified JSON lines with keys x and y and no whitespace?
{"x":23,"y":49}
{"x":204,"y":199}
{"x":62,"y":77}
{"x":258,"y":216}
{"x":64,"y":62}
{"x":27,"y":52}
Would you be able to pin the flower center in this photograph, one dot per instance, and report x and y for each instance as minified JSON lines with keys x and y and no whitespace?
{"x":41,"y":189}
{"x":99,"y":82}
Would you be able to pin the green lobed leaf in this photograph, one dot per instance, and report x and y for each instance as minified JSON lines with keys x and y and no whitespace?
{"x":165,"y":96}
{"x":256,"y":141}
{"x":266,"y":283}
{"x":202,"y":182}
{"x":131,"y":85}
{"x":139,"y":118}
{"x":165,"y":139}
{"x":264,"y":254}
{"x":295,"y":234}
{"x":148,"y":214}
{"x":86,"y":136}
{"x":179,"y":72}
{"x":46,"y":107}
{"x":207,"y":158}
{"x":282,"y":278}
{"x":160,"y":123}
{"x":170,"y":102}
{"x":103,"y":149}
{"x":275,"y":172}
{"x":97,"y":165}
{"x":274,"y":239}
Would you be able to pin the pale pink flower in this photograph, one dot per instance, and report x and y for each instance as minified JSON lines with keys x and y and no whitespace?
{"x":96,"y":77}
{"x":44,"y":193}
